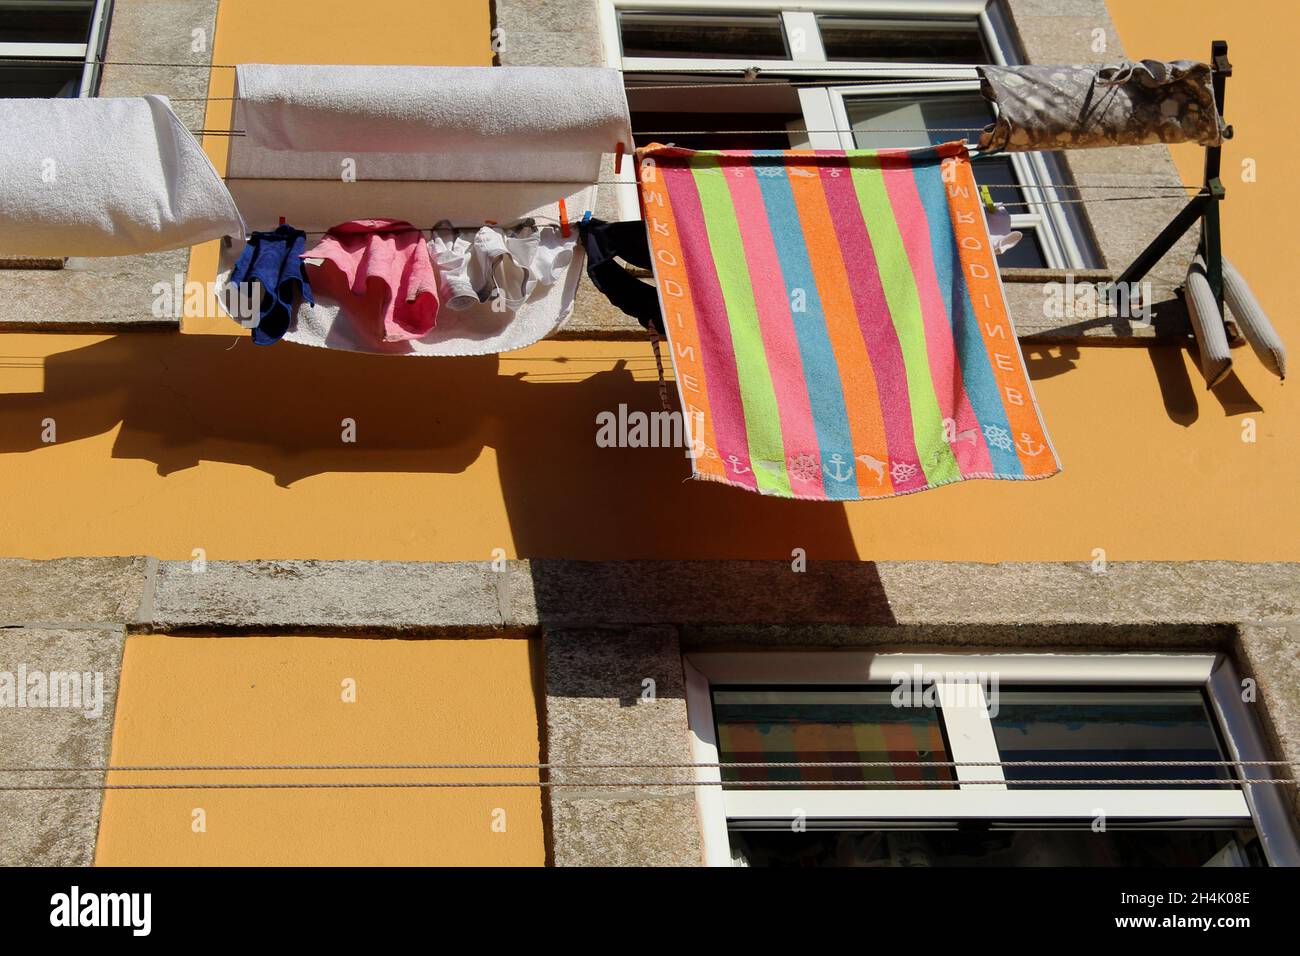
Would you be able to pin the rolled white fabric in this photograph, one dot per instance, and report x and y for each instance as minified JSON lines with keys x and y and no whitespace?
{"x":1207,"y":324}
{"x":105,"y":177}
{"x":548,"y":124}
{"x":1253,"y":322}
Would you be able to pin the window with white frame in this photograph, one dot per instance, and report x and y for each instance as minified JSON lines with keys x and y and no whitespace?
{"x":848,"y":74}
{"x":861,"y":759}
{"x":51,"y":48}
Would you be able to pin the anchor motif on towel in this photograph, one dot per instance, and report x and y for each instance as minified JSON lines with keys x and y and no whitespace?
{"x":875,"y":466}
{"x":839,"y":474}
{"x":736,"y":466}
{"x":1026,"y":444}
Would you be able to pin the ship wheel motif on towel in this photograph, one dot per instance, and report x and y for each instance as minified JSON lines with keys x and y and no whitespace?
{"x":999,"y":437}
{"x":902,"y":471}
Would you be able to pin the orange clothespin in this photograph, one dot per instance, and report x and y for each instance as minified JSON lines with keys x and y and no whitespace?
{"x":618,"y":159}
{"x":564,"y":220}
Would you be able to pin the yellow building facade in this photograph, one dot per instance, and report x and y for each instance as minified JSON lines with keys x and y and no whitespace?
{"x":475,"y":581}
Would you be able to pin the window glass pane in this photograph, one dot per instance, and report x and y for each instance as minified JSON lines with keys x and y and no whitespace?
{"x":716,"y":126}
{"x":914,"y":41}
{"x":911,"y":120}
{"x":40,"y":81}
{"x":725,"y":104}
{"x":1105,"y":725}
{"x":996,"y":847}
{"x":750,"y":37}
{"x":927,"y":119}
{"x":45,"y":21}
{"x":787,"y":726}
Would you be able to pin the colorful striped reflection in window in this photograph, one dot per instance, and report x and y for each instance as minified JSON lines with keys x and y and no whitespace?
{"x":822,"y":726}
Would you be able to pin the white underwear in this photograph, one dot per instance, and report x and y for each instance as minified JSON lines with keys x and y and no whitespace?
{"x":491,"y":263}
{"x":451,"y":254}
{"x":1001,"y":235}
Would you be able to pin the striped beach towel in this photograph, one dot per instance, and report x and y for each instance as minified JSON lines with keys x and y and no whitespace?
{"x":837,"y":322}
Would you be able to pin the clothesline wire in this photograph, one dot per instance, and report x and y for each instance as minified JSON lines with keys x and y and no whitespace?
{"x":657,"y":784}
{"x":781,"y":84}
{"x":633,"y":784}
{"x":1172,"y":189}
{"x":1067,"y":202}
{"x":719,"y":132}
{"x":725,"y":765}
{"x":901,"y":70}
{"x":640,"y":87}
{"x":455,"y":227}
{"x":1007,"y":202}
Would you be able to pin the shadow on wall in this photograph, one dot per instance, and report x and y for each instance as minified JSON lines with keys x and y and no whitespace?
{"x":754,"y":597}
{"x":1178,"y":391}
{"x":183,"y":399}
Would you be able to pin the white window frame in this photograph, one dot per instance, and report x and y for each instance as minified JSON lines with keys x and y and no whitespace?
{"x":824,"y":108}
{"x":89,"y":52}
{"x":1262,"y":806}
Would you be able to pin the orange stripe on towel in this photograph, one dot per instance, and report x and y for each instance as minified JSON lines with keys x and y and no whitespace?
{"x":679,"y":318}
{"x":981,"y":272}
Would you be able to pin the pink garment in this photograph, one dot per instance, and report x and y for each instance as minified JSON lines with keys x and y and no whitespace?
{"x":389,"y":254}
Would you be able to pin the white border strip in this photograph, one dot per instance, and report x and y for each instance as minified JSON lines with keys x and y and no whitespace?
{"x":845,"y":667}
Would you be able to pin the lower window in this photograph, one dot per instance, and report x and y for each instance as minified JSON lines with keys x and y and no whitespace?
{"x":857,"y":759}
{"x":997,"y":845}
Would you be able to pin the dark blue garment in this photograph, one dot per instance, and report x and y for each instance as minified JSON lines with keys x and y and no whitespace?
{"x":272,"y":260}
{"x":627,"y":240}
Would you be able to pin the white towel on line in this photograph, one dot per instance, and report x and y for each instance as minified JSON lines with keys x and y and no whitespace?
{"x":509,"y":124}
{"x":105,"y":177}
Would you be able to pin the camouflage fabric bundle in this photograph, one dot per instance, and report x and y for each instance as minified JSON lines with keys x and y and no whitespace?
{"x":1081,"y":107}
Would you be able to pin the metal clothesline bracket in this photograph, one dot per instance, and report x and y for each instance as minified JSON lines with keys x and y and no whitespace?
{"x":1203,"y":207}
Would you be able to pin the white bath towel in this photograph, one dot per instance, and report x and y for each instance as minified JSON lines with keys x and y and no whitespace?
{"x":507,"y":124}
{"x":105,"y":177}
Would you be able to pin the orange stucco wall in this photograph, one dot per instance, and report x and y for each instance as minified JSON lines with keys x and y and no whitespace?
{"x":282,"y":700}
{"x":169,"y":443}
